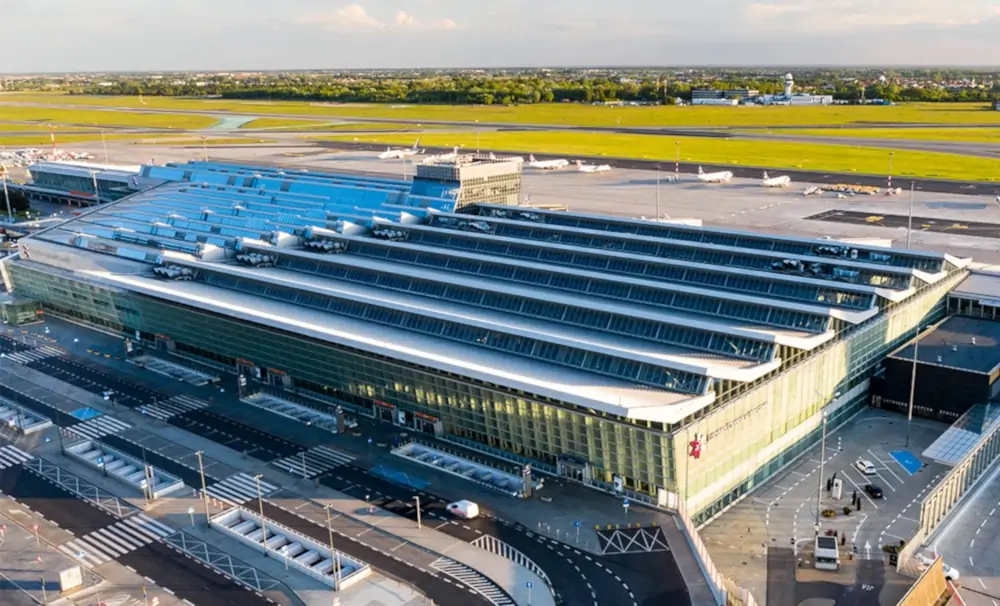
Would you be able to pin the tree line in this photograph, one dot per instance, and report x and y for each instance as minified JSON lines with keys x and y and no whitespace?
{"x":459,"y":90}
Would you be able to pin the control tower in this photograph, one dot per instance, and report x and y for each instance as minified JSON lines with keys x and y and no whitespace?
{"x":789,"y":84}
{"x":471,"y":179}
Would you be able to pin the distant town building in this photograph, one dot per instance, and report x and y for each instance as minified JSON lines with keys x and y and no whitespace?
{"x":996,"y":106}
{"x":722,"y":97}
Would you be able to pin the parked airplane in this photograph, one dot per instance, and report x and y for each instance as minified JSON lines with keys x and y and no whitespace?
{"x":397,"y":154}
{"x":446,"y":157}
{"x":719,"y":177}
{"x":592,"y":168}
{"x":546,"y":164}
{"x":782,"y":181}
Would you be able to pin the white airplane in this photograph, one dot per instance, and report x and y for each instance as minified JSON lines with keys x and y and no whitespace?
{"x":782,"y":181}
{"x":446,"y":157}
{"x":399,"y":154}
{"x":546,"y":164}
{"x":592,"y":168}
{"x":719,"y":177}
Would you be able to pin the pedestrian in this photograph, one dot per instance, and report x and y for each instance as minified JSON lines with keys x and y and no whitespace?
{"x":858,"y":507}
{"x":854,"y":497}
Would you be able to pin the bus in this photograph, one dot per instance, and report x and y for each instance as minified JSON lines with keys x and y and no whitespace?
{"x":827,"y":555}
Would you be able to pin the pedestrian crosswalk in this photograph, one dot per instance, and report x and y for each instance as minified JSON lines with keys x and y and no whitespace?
{"x":313,"y":462}
{"x":494,"y":545}
{"x":33,"y":355}
{"x":112,"y":542}
{"x":12,"y":455}
{"x":473,"y":580}
{"x":98,"y":427}
{"x":238,"y":489}
{"x":176,"y":405}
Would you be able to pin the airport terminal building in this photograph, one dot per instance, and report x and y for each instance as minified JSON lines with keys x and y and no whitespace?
{"x":666,"y":360}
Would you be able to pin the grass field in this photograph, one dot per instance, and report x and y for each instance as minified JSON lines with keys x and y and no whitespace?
{"x":300,"y":124}
{"x":210,"y":142}
{"x":778,"y":154}
{"x":964,"y":135}
{"x":36,"y":128}
{"x":17,"y":141}
{"x":96,"y":117}
{"x":562,"y":113}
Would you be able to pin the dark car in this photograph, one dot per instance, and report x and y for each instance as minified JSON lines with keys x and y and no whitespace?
{"x":873,"y":491}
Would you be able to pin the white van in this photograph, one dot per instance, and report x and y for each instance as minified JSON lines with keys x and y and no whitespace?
{"x":827,"y":554}
{"x":463,"y":509}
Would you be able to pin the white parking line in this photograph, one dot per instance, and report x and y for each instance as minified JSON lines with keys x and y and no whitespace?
{"x":860,"y":489}
{"x":886,"y":465}
{"x":884,"y":481}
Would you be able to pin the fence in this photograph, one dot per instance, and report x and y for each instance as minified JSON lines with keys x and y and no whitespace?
{"x":724,"y":590}
{"x":943,"y":498}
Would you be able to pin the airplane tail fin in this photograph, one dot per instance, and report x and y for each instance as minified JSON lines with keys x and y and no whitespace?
{"x":531,"y":157}
{"x":701,"y":171}
{"x":765,"y":176}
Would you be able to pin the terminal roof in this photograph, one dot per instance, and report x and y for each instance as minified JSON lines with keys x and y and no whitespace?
{"x":970,"y":344}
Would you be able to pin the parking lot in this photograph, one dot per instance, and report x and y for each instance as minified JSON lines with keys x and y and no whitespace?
{"x":778,"y":521}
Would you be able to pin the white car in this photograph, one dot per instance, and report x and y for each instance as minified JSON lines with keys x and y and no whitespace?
{"x":463,"y":509}
{"x":865,"y":466}
{"x":949,"y":573}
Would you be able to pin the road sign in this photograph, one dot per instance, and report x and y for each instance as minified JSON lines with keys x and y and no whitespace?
{"x":190,"y":509}
{"x":577,"y":523}
{"x":625,"y":503}
{"x":529,"y":585}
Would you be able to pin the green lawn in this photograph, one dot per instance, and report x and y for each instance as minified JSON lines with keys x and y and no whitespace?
{"x":969,"y":134}
{"x":563,"y":113}
{"x":210,"y":141}
{"x":43,"y":140}
{"x":282,"y":123}
{"x":37,"y":128}
{"x":778,"y":154}
{"x":97,"y":117}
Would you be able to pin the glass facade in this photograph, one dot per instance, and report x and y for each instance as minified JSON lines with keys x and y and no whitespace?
{"x":109,"y":190}
{"x":746,"y":439}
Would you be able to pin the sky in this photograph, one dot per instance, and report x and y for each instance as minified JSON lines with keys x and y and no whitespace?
{"x":150,"y":35}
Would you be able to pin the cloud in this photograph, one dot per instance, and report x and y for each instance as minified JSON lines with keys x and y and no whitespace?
{"x":355,"y":18}
{"x":828,"y":16}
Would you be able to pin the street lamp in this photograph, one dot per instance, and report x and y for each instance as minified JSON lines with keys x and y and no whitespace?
{"x":657,"y":192}
{"x":204,"y":488}
{"x":677,"y":160}
{"x":6,"y":196}
{"x":909,"y":216}
{"x":204,"y":147}
{"x":97,"y":194}
{"x":104,"y":142}
{"x":333,"y":552}
{"x":913,"y":385}
{"x":822,"y":461}
{"x":891,"y":154}
{"x":260,"y":504}
{"x":418,"y":510}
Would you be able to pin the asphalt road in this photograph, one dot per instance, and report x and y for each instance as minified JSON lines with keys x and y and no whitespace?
{"x":437,"y":589}
{"x":167,"y":568}
{"x":577,"y":577}
{"x":94,"y":381}
{"x":970,"y":228}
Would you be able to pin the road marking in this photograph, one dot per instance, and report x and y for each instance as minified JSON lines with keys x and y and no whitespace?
{"x":860,"y":489}
{"x":971,"y":563}
{"x":886,"y":465}
{"x":983,"y":584}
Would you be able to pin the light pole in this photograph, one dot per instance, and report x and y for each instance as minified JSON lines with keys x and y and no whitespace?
{"x":6,"y":195}
{"x":891,"y":154}
{"x":913,"y":386}
{"x":333,"y":552}
{"x":260,"y":504}
{"x":204,"y":489}
{"x":822,"y":462}
{"x":657,"y":192}
{"x":204,"y":148}
{"x":97,"y":194}
{"x":418,"y":511}
{"x":677,"y":160}
{"x":104,"y":142}
{"x":909,"y":217}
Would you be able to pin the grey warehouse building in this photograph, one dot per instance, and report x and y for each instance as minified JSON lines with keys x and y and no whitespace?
{"x":680,"y":364}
